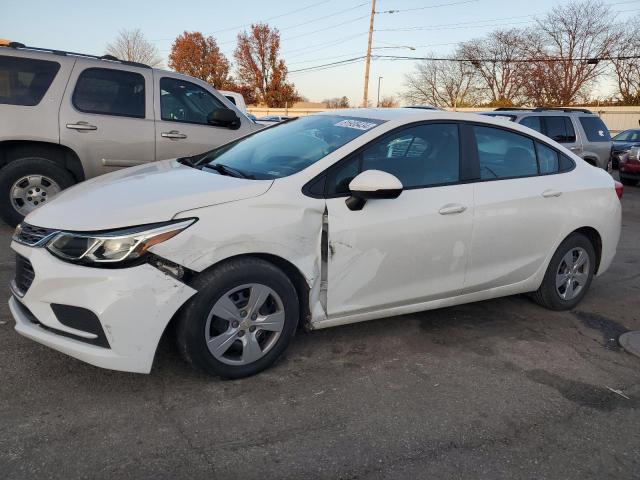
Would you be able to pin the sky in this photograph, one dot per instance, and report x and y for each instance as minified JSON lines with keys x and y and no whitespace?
{"x":313,"y":32}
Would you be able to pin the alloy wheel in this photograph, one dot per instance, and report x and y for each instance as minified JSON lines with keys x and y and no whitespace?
{"x":573,"y":273}
{"x":30,"y":191}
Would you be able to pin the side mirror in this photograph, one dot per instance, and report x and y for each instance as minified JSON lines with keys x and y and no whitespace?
{"x":224,"y":117}
{"x":372,"y":184}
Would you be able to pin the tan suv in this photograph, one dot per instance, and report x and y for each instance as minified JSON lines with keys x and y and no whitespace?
{"x":66,"y":117}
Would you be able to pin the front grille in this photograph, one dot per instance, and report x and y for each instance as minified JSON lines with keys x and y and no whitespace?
{"x":24,"y":274}
{"x":31,"y":235}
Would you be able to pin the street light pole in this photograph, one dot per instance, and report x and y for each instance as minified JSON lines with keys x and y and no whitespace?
{"x":365,"y":100}
{"x":378,"y":102}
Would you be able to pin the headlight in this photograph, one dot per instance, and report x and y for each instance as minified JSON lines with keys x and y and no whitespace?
{"x":115,"y":246}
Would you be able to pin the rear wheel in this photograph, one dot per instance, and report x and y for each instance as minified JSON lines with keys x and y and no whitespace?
{"x":27,"y":183}
{"x":568,"y":275}
{"x":241,"y":320}
{"x":628,"y":182}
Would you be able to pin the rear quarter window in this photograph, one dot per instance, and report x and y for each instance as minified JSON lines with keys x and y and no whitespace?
{"x":24,"y":81}
{"x":595,"y":129}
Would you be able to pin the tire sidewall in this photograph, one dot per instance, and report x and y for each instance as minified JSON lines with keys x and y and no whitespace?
{"x":21,"y":167}
{"x":575,"y":240}
{"x":211,"y":286}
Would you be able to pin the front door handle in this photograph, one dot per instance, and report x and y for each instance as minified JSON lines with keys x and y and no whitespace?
{"x":81,"y":126}
{"x":452,"y":208}
{"x":173,"y":134}
{"x":574,"y":149}
{"x":551,"y":193}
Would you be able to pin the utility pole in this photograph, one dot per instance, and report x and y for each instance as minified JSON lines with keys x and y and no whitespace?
{"x":378,"y":102}
{"x":365,"y":100}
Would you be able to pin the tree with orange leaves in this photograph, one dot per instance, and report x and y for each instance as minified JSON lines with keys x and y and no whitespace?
{"x":198,"y":56}
{"x":259,"y":68}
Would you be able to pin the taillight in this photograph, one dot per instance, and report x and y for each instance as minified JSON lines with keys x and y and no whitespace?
{"x":619,"y":189}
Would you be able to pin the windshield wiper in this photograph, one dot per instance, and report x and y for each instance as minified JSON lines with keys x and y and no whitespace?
{"x":226,"y":170}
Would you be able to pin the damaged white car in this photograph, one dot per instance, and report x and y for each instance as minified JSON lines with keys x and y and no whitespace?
{"x":320,"y":221}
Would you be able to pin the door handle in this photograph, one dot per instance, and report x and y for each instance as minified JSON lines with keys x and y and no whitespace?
{"x":81,"y":126}
{"x":574,"y":149}
{"x":173,"y":134}
{"x":452,"y":208}
{"x":551,"y":193}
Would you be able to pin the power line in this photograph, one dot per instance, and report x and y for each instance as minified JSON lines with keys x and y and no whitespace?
{"x":428,"y":7}
{"x":327,"y":28}
{"x":274,"y":17}
{"x":465,"y":60}
{"x":290,"y":27}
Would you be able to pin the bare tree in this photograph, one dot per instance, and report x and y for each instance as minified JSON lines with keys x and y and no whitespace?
{"x":131,"y":45}
{"x":565,"y":46}
{"x":496,"y":60}
{"x":342,"y":102}
{"x":388,"y":102}
{"x":442,"y":84}
{"x":626,"y":71}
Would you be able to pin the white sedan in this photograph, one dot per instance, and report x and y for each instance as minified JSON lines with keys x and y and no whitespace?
{"x":324,"y":220}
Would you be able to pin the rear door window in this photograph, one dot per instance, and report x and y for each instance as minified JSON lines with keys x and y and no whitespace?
{"x":24,"y":81}
{"x":107,"y":91}
{"x":547,"y":159}
{"x":504,"y":154}
{"x":595,"y":129}
{"x":532,"y":122}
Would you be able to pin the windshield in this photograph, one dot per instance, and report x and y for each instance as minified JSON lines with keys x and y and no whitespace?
{"x":289,"y":147}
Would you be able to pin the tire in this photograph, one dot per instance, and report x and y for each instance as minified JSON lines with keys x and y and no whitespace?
{"x":628,"y":182}
{"x":232,"y":337}
{"x":53,"y":176}
{"x":551,"y":297}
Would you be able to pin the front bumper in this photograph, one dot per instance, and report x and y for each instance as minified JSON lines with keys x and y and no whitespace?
{"x":133,"y":306}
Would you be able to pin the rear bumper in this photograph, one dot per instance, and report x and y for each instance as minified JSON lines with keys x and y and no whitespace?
{"x":132,"y":305}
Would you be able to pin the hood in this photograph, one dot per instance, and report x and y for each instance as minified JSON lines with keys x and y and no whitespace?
{"x":619,"y":145}
{"x":143,"y":194}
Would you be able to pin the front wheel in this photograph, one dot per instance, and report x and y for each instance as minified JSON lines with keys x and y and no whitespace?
{"x":241,"y":320}
{"x":26,"y":183}
{"x":568,"y":275}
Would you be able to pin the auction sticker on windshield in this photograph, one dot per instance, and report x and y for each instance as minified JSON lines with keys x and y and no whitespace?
{"x":357,"y":124}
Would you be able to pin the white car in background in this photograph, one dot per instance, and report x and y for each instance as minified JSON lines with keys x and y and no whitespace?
{"x":324,"y":220}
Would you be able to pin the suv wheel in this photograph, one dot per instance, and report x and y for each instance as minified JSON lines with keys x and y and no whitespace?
{"x":26,"y":183}
{"x":241,"y":320}
{"x":569,"y":274}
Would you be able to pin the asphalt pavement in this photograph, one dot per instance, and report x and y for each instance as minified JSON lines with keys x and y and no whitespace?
{"x":501,"y":389}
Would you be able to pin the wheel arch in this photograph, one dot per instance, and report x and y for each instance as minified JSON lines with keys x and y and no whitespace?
{"x":596,"y":240}
{"x":289,"y":269}
{"x":11,"y":150}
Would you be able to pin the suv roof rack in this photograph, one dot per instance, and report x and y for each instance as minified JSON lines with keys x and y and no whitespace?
{"x":511,"y":109}
{"x":109,"y":58}
{"x":562,"y":109}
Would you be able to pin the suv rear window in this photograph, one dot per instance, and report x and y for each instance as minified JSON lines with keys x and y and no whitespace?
{"x":24,"y":81}
{"x":110,"y":92}
{"x":595,"y":129}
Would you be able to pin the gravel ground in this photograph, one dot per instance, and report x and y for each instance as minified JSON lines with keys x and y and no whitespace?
{"x":496,"y":389}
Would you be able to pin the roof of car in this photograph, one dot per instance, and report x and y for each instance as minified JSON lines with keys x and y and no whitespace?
{"x":539,"y":111}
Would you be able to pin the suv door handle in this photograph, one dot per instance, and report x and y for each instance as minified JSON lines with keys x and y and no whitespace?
{"x":551,"y":193}
{"x":573,"y":149}
{"x":173,"y":134}
{"x":81,"y":126}
{"x":452,"y":208}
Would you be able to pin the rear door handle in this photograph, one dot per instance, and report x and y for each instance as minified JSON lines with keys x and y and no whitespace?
{"x":81,"y":126}
{"x":574,"y":149}
{"x":551,"y":193}
{"x":452,"y":208}
{"x":173,"y":134}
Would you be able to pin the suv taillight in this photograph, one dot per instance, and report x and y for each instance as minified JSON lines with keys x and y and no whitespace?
{"x":619,"y":189}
